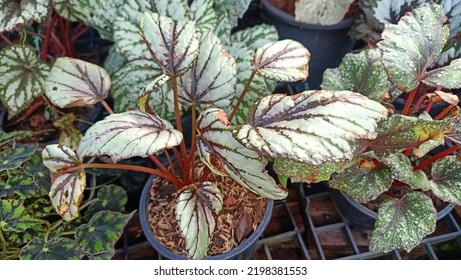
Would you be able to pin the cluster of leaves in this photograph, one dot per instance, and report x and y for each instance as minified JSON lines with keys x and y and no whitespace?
{"x":403,"y":152}
{"x":29,"y":226}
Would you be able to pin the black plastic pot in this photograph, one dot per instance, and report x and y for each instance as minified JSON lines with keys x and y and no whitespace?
{"x":327,"y":44}
{"x":243,"y":251}
{"x":360,"y":217}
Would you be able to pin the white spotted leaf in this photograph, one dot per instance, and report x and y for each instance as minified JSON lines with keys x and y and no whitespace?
{"x":402,"y":170}
{"x":446,"y":179}
{"x":321,"y":12}
{"x":14,"y":13}
{"x":446,"y":77}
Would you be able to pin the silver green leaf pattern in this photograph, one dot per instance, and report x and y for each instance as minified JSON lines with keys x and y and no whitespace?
{"x":390,"y":11}
{"x":14,"y":13}
{"x":127,"y":135}
{"x":175,"y":9}
{"x":402,"y":170}
{"x":256,"y":36}
{"x":58,"y":158}
{"x":74,"y":82}
{"x":53,"y":249}
{"x":321,"y":12}
{"x":101,"y":233}
{"x":283,"y":61}
{"x":172,"y":44}
{"x":14,"y":217}
{"x":212,"y":78}
{"x":232,"y":9}
{"x":14,"y":157}
{"x":157,"y":96}
{"x":110,"y":197}
{"x":65,"y":9}
{"x":226,"y":156}
{"x":363,"y":73}
{"x":311,"y":127}
{"x":196,"y":210}
{"x":446,"y":179}
{"x":413,"y":45}
{"x":114,"y":60}
{"x":445,"y":77}
{"x":202,"y":12}
{"x":402,"y":224}
{"x":300,"y":172}
{"x":22,"y":77}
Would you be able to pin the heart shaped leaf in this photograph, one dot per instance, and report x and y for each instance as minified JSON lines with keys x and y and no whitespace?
{"x":196,"y":209}
{"x":14,"y":13}
{"x":101,"y":233}
{"x":172,"y":44}
{"x":402,"y":224}
{"x":22,"y":77}
{"x":211,"y":79}
{"x":283,"y":61}
{"x":413,"y":45}
{"x":402,"y":170}
{"x":225,"y":155}
{"x":446,"y":179}
{"x":14,"y":157}
{"x":110,"y":197}
{"x":74,"y":82}
{"x":53,"y":249}
{"x":127,"y":135}
{"x":446,"y":77}
{"x":311,"y":127}
{"x":321,"y":12}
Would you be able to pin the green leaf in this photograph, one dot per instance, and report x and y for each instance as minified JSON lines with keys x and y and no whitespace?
{"x":22,"y":77}
{"x":196,"y":210}
{"x":14,"y":157}
{"x":73,"y":82}
{"x":53,"y":249}
{"x":363,"y":73}
{"x":232,"y":9}
{"x":226,"y":156}
{"x":110,"y":197}
{"x":103,"y":256}
{"x":402,"y":170}
{"x":14,"y":218}
{"x":413,"y":45}
{"x":175,"y":9}
{"x":210,"y":82}
{"x":202,"y":12}
{"x":283,"y":61}
{"x":127,"y":135}
{"x":300,"y":172}
{"x":402,"y":224}
{"x":14,"y":13}
{"x":445,"y":77}
{"x":158,"y":96}
{"x":115,"y":60}
{"x":178,"y":45}
{"x":26,"y":184}
{"x":65,"y":9}
{"x":101,"y":232}
{"x":256,"y":36}
{"x":446,"y":179}
{"x":321,"y":12}
{"x":311,"y":127}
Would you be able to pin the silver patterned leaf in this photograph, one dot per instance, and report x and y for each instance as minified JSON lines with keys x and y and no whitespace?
{"x":211,"y":79}
{"x":160,"y":98}
{"x":452,"y":49}
{"x":58,"y":158}
{"x":446,"y":179}
{"x":232,"y":9}
{"x":402,"y":170}
{"x":196,"y":211}
{"x":445,"y":77}
{"x":390,"y":11}
{"x":202,"y":12}
{"x":22,"y":77}
{"x":403,"y":223}
{"x":14,"y":13}
{"x":413,"y":45}
{"x":311,"y":127}
{"x":65,"y":9}
{"x":283,"y":61}
{"x":321,"y":12}
{"x":172,"y":44}
{"x":256,"y":36}
{"x":127,"y":135}
{"x":223,"y":29}
{"x":226,"y":156}
{"x":114,"y":60}
{"x":73,"y":82}
{"x":300,"y":172}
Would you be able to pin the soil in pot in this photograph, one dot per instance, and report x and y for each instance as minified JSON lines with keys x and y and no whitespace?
{"x":241,"y":214}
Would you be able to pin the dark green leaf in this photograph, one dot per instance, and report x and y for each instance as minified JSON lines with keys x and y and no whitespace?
{"x":402,"y":170}
{"x":14,"y":218}
{"x":446,"y":179}
{"x":15,"y":156}
{"x":110,"y":197}
{"x":53,"y":249}
{"x":301,"y":172}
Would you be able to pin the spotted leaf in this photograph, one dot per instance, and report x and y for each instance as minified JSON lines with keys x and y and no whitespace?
{"x":14,"y":217}
{"x":300,"y":172}
{"x":14,"y":13}
{"x":311,"y":127}
{"x":445,"y":77}
{"x":101,"y":233}
{"x":110,"y":197}
{"x":226,"y":156}
{"x":14,"y":157}
{"x":321,"y":12}
{"x":53,"y":249}
{"x":283,"y":61}
{"x":127,"y":135}
{"x":402,"y":170}
{"x":196,"y":210}
{"x":446,"y":179}
{"x":73,"y":82}
{"x":403,"y":223}
{"x":22,"y":77}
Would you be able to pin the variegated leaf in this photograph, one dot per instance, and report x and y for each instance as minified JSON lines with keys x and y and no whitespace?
{"x":22,"y":77}
{"x":403,"y":223}
{"x":158,"y":96}
{"x":321,"y":12}
{"x":114,"y":60}
{"x":283,"y":61}
{"x":58,"y":158}
{"x":452,"y":49}
{"x":14,"y":217}
{"x":73,"y":82}
{"x":300,"y":172}
{"x":202,"y":12}
{"x":224,"y":155}
{"x":363,"y":73}
{"x":445,"y":77}
{"x":196,"y":211}
{"x":54,"y":249}
{"x":144,"y":95}
{"x":175,"y":9}
{"x":13,"y":157}
{"x":446,"y":179}
{"x":130,"y":80}
{"x":14,"y":13}
{"x":232,"y":9}
{"x":390,"y":11}
{"x":223,"y":29}
{"x":110,"y":197}
{"x":172,"y":44}
{"x":211,"y":79}
{"x":127,"y":135}
{"x":402,"y":170}
{"x":413,"y":45}
{"x":311,"y":127}
{"x":256,"y":36}
{"x":65,"y":9}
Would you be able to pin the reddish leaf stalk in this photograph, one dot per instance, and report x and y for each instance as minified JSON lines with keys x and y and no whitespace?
{"x":79,"y":31}
{"x":436,"y":157}
{"x":428,"y":106}
{"x":445,"y":112}
{"x":410,"y":99}
{"x":240,"y":100}
{"x":191,"y":166}
{"x":46,"y":43}
{"x":106,"y":106}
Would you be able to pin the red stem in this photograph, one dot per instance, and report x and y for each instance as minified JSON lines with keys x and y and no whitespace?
{"x":80,"y":30}
{"x":428,"y":106}
{"x":177,"y":113}
{"x":242,"y":95}
{"x":445,"y":112}
{"x":436,"y":157}
{"x":160,"y":165}
{"x":46,"y":42}
{"x":420,"y":101}
{"x":106,"y":106}
{"x":191,"y":166}
{"x":410,"y":99}
{"x":67,"y":41}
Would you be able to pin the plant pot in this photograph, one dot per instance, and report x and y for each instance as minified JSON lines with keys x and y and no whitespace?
{"x":359,"y":216}
{"x":243,"y":251}
{"x":327,"y":44}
